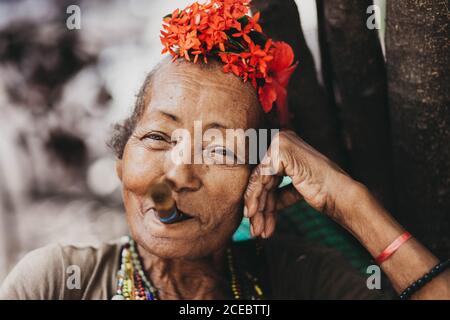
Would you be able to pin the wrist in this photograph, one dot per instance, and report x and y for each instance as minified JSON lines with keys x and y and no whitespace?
{"x":363,"y":216}
{"x":355,"y":206}
{"x":344,"y":195}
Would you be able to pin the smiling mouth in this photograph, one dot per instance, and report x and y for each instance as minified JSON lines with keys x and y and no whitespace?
{"x":176,"y":216}
{"x":184,"y":215}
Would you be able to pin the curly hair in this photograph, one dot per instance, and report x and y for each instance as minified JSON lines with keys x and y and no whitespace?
{"x":122,"y":131}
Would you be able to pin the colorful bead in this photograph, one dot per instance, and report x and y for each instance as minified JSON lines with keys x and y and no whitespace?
{"x":133,"y":284}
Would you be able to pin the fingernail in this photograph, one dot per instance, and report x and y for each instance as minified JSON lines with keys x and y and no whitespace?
{"x":264,"y":234}
{"x":252,"y":231}
{"x":245,"y":212}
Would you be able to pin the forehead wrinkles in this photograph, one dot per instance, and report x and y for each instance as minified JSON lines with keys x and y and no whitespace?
{"x":197,"y":81}
{"x":199,"y":88}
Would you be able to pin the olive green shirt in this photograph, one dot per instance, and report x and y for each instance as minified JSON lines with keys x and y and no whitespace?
{"x":290,"y":270}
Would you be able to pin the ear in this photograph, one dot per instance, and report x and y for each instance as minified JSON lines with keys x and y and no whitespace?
{"x":119,"y":168}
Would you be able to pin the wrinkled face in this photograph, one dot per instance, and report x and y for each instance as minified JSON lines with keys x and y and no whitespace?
{"x":210,"y":191}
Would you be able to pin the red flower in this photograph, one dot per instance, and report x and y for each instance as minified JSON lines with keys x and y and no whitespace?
{"x":223,"y":28}
{"x":280,"y":70}
{"x":251,"y":25}
{"x":231,"y":63}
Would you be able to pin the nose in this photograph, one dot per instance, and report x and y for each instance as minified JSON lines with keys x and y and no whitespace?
{"x":180,"y":173}
{"x":182,"y":177}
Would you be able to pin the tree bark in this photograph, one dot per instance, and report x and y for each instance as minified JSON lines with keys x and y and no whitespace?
{"x":355,"y":71}
{"x":314,"y":118}
{"x":417,"y":51}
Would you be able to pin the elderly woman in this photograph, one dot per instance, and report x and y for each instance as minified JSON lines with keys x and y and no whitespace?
{"x":192,"y":256}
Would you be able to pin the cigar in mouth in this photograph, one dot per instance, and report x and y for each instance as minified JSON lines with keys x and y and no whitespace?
{"x":166,"y":209}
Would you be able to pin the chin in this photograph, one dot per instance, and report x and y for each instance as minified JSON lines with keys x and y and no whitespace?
{"x":171,"y":248}
{"x":190,"y":239}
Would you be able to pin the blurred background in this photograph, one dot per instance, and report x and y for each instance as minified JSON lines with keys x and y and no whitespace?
{"x":62,"y":90}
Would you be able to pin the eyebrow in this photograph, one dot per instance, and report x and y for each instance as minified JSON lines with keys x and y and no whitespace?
{"x":216,"y":125}
{"x":169,"y":115}
{"x":212,"y":125}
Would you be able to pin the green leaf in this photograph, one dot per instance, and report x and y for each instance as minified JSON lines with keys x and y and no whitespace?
{"x":258,"y":38}
{"x":235,"y":42}
{"x":243,"y":21}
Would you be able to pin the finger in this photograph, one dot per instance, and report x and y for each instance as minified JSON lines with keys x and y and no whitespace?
{"x":270,"y":224}
{"x":269,"y":186}
{"x":256,"y":200}
{"x":252,"y":193}
{"x":264,"y":177}
{"x":262,"y":199}
{"x":255,"y":193}
{"x":269,"y":216}
{"x":287,"y":196}
{"x":257,"y":224}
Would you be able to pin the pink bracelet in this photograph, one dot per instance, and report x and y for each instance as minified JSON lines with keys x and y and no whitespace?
{"x":390,"y":249}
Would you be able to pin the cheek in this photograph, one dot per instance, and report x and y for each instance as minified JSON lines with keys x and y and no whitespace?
{"x":227,"y":186}
{"x":141,"y":168}
{"x":225,"y":192}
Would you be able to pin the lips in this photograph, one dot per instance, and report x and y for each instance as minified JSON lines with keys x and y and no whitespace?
{"x":180,"y":217}
{"x":185,"y":216}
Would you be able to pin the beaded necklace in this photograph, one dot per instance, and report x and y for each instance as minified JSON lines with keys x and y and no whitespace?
{"x":133,"y":284}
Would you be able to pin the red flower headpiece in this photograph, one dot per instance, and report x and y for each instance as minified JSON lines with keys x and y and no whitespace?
{"x":223,"y":28}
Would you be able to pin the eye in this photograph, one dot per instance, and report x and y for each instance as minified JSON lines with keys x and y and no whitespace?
{"x":154,"y":136}
{"x":220,"y":155}
{"x":155,"y":140}
{"x":223,"y":152}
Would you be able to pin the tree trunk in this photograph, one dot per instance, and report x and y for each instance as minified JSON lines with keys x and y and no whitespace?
{"x":417,"y":51}
{"x":314,"y":119}
{"x":355,"y":70}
